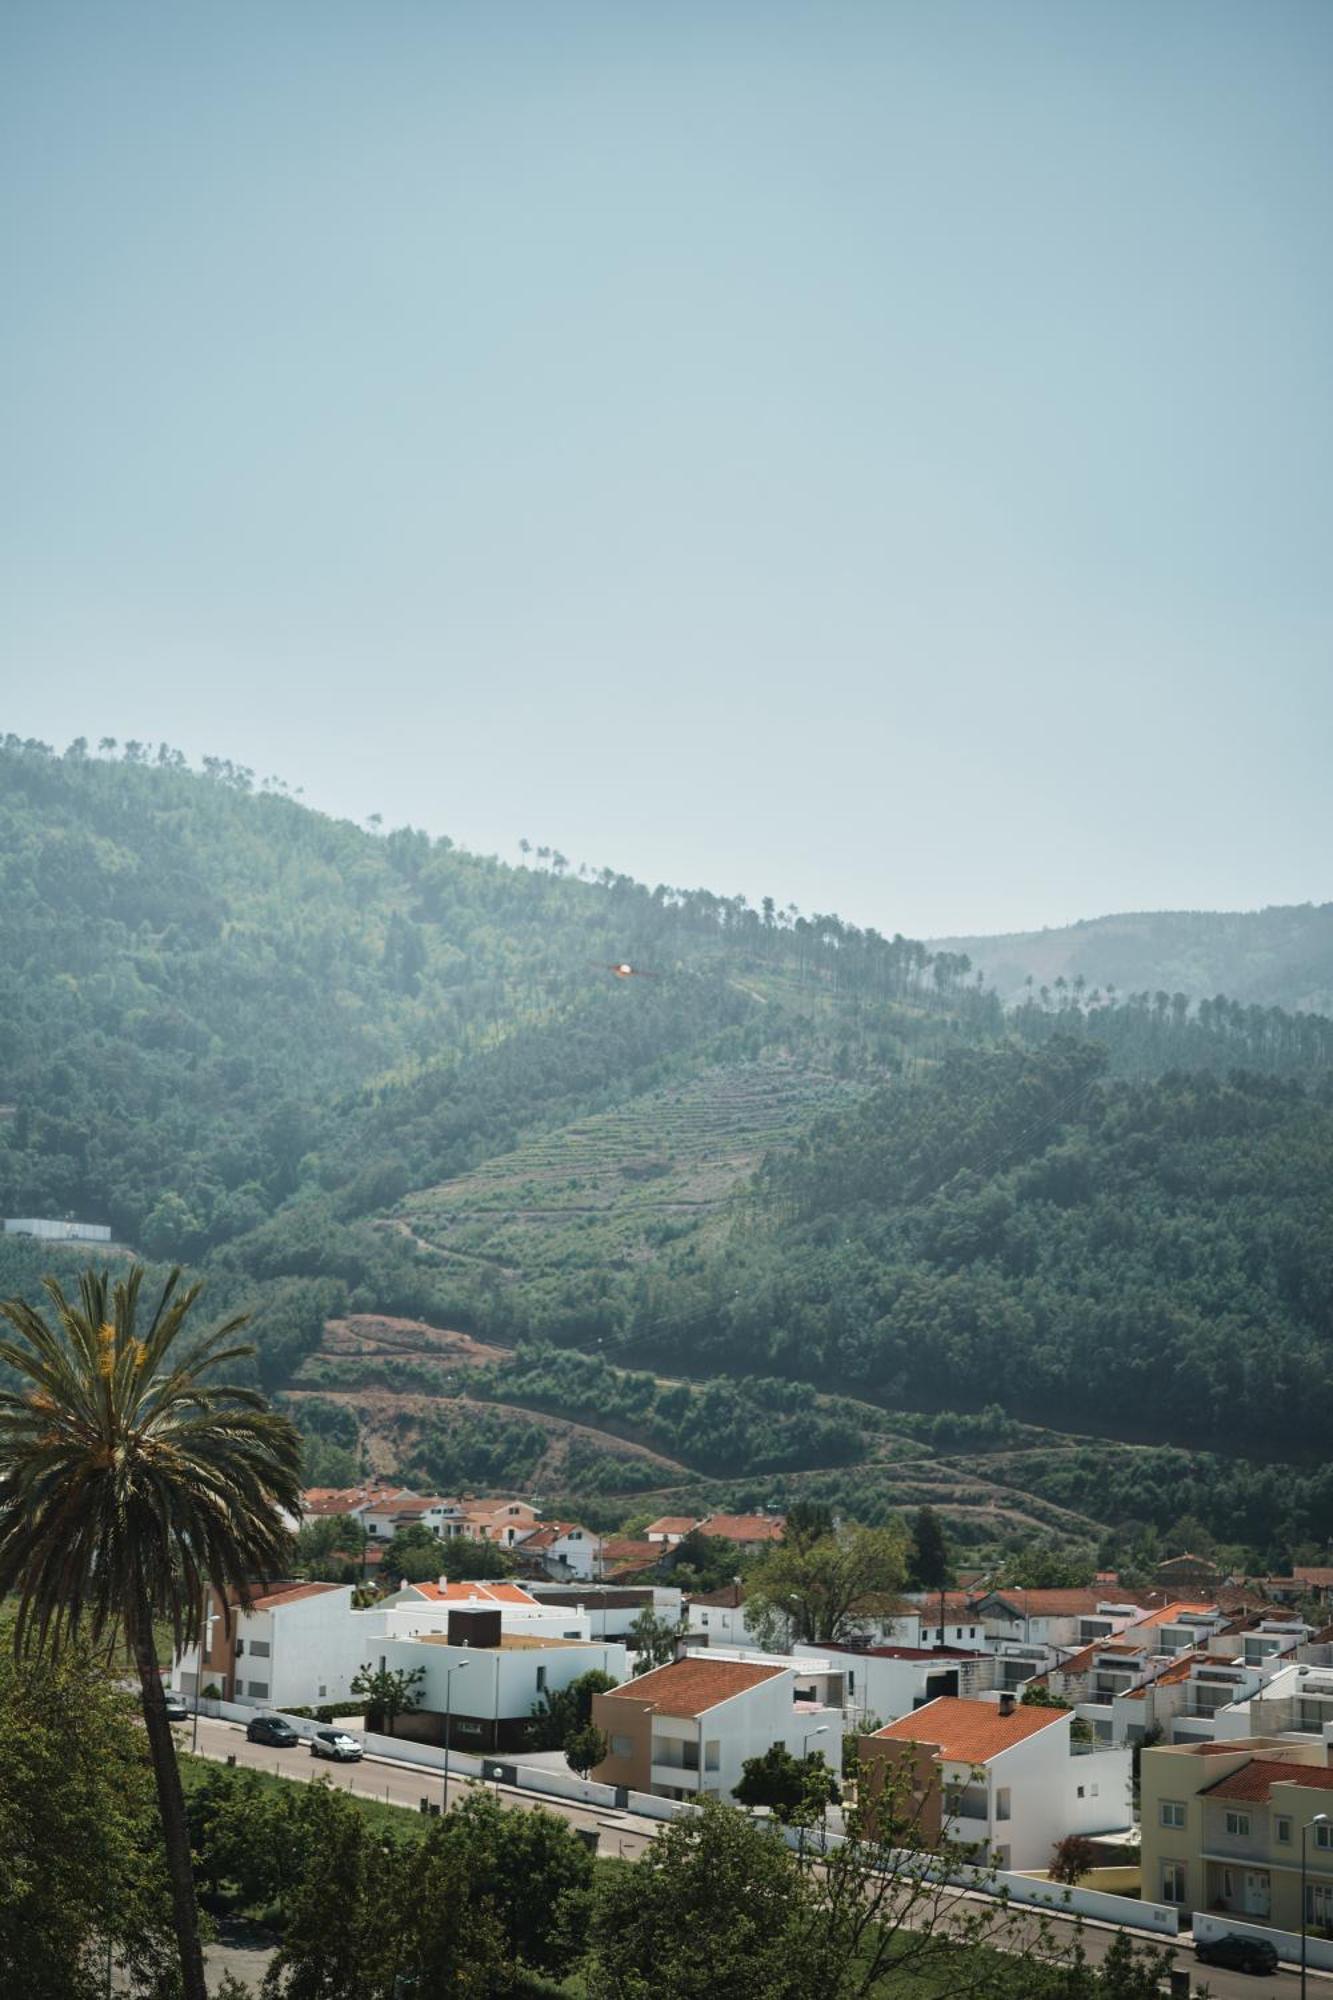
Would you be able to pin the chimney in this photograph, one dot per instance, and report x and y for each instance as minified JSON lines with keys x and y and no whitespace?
{"x":1006,"y":1704}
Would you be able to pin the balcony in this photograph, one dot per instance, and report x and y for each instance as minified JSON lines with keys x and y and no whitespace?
{"x":672,"y":1753}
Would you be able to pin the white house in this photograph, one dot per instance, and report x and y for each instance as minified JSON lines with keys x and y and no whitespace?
{"x":717,"y":1618}
{"x":480,"y":1683}
{"x":686,"y":1729}
{"x":563,"y":1549}
{"x":885,"y":1682}
{"x":296,"y":1647}
{"x":1004,"y":1778}
{"x":612,"y":1608}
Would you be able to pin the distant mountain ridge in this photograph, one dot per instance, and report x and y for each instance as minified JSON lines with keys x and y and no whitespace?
{"x":1281,"y":956}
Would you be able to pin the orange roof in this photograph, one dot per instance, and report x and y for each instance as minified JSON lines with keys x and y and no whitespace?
{"x":474,"y":1593}
{"x":288,"y":1594}
{"x":970,"y":1732}
{"x":1171,"y":1613}
{"x":691,"y":1686}
{"x":1254,"y":1780}
{"x":672,"y":1524}
{"x":1071,"y":1603}
{"x":1322,"y":1579}
{"x":745,"y":1527}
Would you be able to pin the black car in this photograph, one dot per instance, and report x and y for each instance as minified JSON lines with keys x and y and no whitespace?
{"x":272,"y":1729}
{"x":178,"y":1709}
{"x":1237,"y":1954}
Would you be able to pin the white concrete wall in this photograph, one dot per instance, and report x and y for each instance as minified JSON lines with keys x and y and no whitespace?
{"x":490,"y":1682}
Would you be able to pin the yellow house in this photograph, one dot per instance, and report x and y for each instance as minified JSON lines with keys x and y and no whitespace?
{"x":1222,"y":1829}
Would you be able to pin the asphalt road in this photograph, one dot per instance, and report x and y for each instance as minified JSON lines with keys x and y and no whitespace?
{"x":623,"y":1833}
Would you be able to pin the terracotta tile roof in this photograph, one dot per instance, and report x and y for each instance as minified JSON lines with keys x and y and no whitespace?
{"x":1171,"y":1614}
{"x":693,"y":1685}
{"x":969,"y":1732}
{"x":1254,"y":1781}
{"x":1048,"y":1603}
{"x":289,"y":1593}
{"x":744,"y":1527}
{"x":619,"y":1549}
{"x":1322,"y":1579}
{"x":475,"y":1593}
{"x":729,"y":1598}
{"x":672,"y":1524}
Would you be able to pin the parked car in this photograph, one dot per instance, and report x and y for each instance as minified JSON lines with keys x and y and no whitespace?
{"x":178,"y":1709}
{"x":273,"y":1729}
{"x":336,"y":1743}
{"x":1238,"y":1954}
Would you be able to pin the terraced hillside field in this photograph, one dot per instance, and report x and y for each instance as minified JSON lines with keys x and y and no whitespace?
{"x":611,"y":1190}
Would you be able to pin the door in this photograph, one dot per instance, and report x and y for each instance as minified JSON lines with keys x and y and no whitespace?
{"x":1256,"y":1893}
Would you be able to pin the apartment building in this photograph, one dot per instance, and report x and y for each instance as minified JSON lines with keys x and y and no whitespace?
{"x":685,"y":1730}
{"x":1004,"y":1779}
{"x":1222,"y":1828}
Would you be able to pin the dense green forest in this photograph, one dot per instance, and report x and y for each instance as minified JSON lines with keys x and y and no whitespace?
{"x":336,"y":1069}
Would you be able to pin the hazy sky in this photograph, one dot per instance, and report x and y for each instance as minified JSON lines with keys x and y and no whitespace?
{"x":875,"y":455}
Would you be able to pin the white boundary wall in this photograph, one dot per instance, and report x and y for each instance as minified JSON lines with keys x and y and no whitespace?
{"x":1319,"y":1951}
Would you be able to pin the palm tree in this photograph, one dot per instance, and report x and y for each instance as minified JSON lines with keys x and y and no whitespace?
{"x":128,"y":1487}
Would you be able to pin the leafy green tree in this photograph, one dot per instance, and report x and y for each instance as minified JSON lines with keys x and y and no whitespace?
{"x":928,"y":1566}
{"x":388,"y":1692}
{"x":807,"y":1521}
{"x":584,"y":1748}
{"x":535,"y":1873}
{"x":130,"y":1483}
{"x":791,"y":1787}
{"x":560,"y":1712}
{"x":82,"y":1882}
{"x":416,"y":1555}
{"x":341,"y":1936}
{"x":653,"y":1639}
{"x":818,"y":1591}
{"x":712,"y":1911}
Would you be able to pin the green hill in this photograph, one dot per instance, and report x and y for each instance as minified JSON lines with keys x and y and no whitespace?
{"x":1277,"y":957}
{"x":801,"y":1181}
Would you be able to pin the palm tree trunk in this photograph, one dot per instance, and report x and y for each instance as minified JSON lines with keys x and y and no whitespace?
{"x":171,"y":1808}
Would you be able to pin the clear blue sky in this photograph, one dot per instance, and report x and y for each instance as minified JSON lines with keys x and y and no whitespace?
{"x":875,"y":455}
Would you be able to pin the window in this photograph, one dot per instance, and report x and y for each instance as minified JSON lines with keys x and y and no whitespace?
{"x":1173,"y":1881}
{"x":260,"y":1649}
{"x":1002,"y":1802}
{"x":541,"y":1680}
{"x":259,"y":1689}
{"x":622,"y":1746}
{"x":1282,"y":1830}
{"x":464,"y":1726}
{"x":1171,"y":1812}
{"x":1323,"y":1835}
{"x":1081,"y":1792}
{"x":1238,"y":1823}
{"x":240,"y":1647}
{"x":713,"y":1754}
{"x":1319,"y":1904}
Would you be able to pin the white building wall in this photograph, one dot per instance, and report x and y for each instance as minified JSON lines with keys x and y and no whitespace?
{"x":745,"y":1726}
{"x":491,"y":1681}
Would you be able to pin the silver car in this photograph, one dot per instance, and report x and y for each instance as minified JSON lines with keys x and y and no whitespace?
{"x":337,"y":1744}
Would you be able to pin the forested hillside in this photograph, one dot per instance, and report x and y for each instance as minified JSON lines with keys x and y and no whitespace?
{"x":1278,"y":957}
{"x":339,"y":1071}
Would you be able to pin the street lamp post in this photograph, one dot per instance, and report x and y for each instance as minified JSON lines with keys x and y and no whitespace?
{"x":206,"y":1623}
{"x":1320,"y":1819}
{"x":459,"y":1667}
